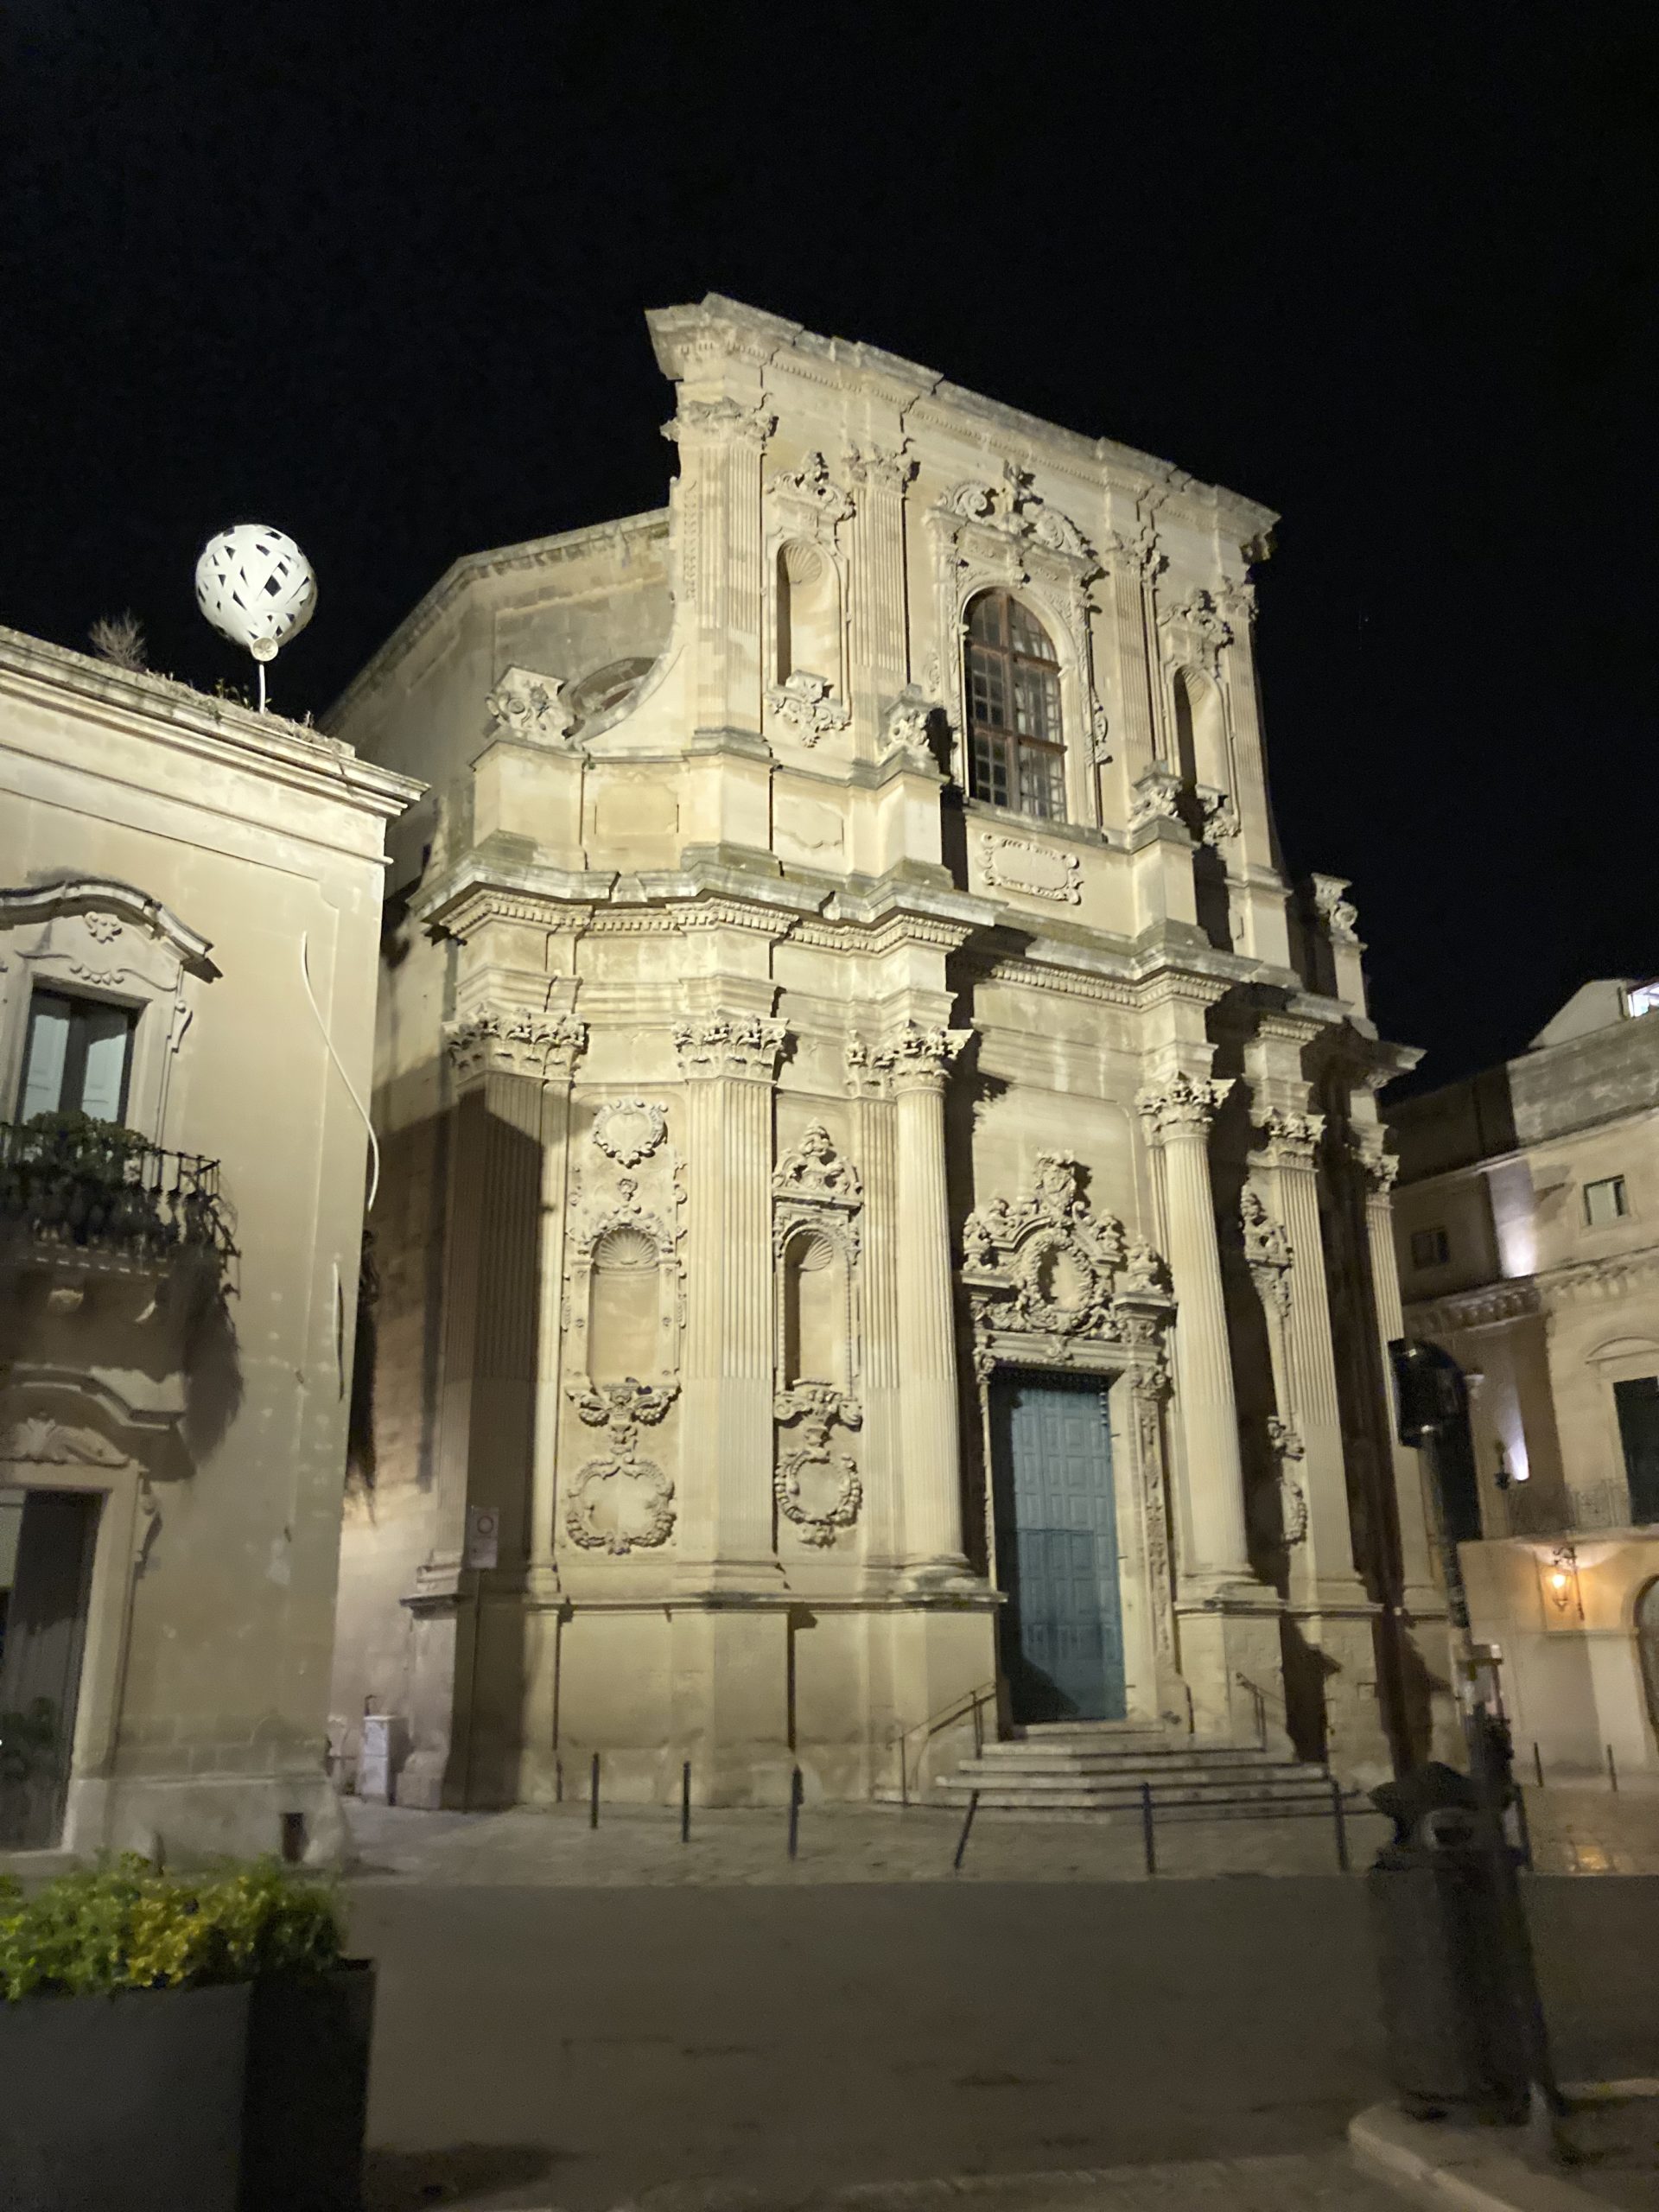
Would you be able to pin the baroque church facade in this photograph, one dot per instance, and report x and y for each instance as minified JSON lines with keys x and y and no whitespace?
{"x":884,"y":1232}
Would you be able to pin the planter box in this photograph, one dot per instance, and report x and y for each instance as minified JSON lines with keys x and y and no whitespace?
{"x":247,"y":2098}
{"x":308,"y":2089}
{"x":129,"y":2103}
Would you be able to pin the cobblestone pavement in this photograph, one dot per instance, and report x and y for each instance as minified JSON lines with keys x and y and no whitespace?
{"x":1574,"y":1831}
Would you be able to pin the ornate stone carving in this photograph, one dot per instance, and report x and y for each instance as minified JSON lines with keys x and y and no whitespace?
{"x":528,"y":705}
{"x":1100,"y":753}
{"x":1183,"y":1106}
{"x":1339,"y":914}
{"x":622,"y":1408}
{"x":1379,"y":1168}
{"x":1039,"y":871}
{"x":1267,"y":1249}
{"x":1044,"y":1270}
{"x":803,"y":703}
{"x":920,"y":1057}
{"x":1196,"y":630}
{"x":816,"y":1488}
{"x":1015,"y":510}
{"x":1292,"y":1139}
{"x":909,"y":727}
{"x":627,"y":1130}
{"x":1220,"y":816}
{"x":1151,"y":1388}
{"x":499,"y":1040}
{"x":746,"y":1046}
{"x":814,"y":1171}
{"x":1156,"y":796}
{"x":813,"y":485}
{"x":36,"y":1441}
{"x":720,"y":418}
{"x":887,"y":469}
{"x":619,"y":1504}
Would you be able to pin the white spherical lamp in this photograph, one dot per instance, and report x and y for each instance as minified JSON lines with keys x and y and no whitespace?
{"x":256,"y":588}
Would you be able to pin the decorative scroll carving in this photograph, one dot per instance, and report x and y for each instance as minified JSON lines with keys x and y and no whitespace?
{"x":619,"y":1505}
{"x":529,"y":706}
{"x":1183,"y":1106}
{"x":730,"y":1044}
{"x":1292,"y":1139}
{"x":813,"y":485}
{"x":720,"y":418}
{"x":627,"y":1130}
{"x":1339,"y":914}
{"x":816,"y":1487}
{"x":814,"y":1173}
{"x":1151,"y":1388}
{"x":1196,"y":630}
{"x":1220,"y":816}
{"x":1039,"y":871}
{"x":1379,"y":1168}
{"x":909,"y":730}
{"x":804,"y":702}
{"x":1015,"y":509}
{"x":1156,"y":796}
{"x":500,"y":1040}
{"x":36,"y":1441}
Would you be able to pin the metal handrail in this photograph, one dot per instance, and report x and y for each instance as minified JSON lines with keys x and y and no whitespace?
{"x":970,"y":1702}
{"x":90,"y":1186}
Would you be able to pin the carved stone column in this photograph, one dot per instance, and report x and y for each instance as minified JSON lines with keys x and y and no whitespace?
{"x":464,"y":1734}
{"x":883,"y":1458}
{"x":564,"y":1050}
{"x":1323,"y":1571}
{"x":1421,"y":1592}
{"x":879,"y":623}
{"x":721,"y":441}
{"x":917,"y":1062}
{"x":1129,"y":567}
{"x":1178,"y":1114}
{"x":729,"y":1063}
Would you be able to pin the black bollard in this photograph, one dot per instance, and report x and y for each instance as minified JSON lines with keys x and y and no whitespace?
{"x":967,"y":1828}
{"x":593,"y":1796}
{"x":1340,"y":1821}
{"x":685,"y":1802}
{"x":1147,"y":1835}
{"x":794,"y":1811}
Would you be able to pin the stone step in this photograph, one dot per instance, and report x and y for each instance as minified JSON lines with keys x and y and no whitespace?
{"x":1005,"y":1776}
{"x":1163,"y":1762}
{"x":1195,"y":1803}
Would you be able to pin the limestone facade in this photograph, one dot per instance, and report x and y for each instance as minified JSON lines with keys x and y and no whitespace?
{"x":1528,"y":1220}
{"x":840,"y":989}
{"x":190,"y":896}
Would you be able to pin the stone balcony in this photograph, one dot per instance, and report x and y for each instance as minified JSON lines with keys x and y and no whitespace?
{"x":111,"y":1249}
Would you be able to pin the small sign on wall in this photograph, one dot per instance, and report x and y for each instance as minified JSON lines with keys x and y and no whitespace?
{"x":483,"y":1535}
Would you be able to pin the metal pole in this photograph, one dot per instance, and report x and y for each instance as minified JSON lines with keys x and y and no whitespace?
{"x":794,"y":1811}
{"x":1612,"y":1771}
{"x":1147,"y":1835}
{"x":1340,"y":1822}
{"x":1537,"y":1762}
{"x":593,"y":1796}
{"x":1523,"y":1827}
{"x":685,"y":1802}
{"x":967,"y":1828}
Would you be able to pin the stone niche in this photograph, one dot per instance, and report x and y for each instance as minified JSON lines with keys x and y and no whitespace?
{"x":817,"y":1200}
{"x":623,"y":1322}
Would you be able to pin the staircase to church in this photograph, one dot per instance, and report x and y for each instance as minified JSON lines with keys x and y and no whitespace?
{"x":1074,"y":1769}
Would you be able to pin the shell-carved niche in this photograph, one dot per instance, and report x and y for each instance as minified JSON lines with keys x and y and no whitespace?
{"x":817,"y":1200}
{"x":624,"y":1319}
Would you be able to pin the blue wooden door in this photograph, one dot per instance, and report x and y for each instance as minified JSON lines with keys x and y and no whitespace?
{"x":1057,"y":1551}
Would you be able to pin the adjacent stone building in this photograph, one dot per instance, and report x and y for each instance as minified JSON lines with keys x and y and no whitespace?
{"x":190,"y":902}
{"x":885,"y":1230}
{"x":1528,"y":1220}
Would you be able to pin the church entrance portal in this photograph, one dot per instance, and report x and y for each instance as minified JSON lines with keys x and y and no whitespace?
{"x":1057,"y":1548}
{"x":46,"y":1556}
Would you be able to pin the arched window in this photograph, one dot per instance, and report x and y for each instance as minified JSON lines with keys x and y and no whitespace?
{"x":1016,"y":753}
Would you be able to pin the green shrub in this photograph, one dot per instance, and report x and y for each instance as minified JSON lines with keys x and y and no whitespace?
{"x":127,"y":1926}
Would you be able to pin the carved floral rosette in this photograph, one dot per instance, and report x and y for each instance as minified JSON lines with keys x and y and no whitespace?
{"x":626,"y":1211}
{"x":817,"y":1200}
{"x":1050,"y":1284}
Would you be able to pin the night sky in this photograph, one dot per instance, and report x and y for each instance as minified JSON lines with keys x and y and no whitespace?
{"x":378,"y":275}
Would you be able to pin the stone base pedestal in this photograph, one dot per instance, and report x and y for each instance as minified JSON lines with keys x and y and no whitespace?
{"x":192,"y":1820}
{"x":1334,"y":1690}
{"x":1232,"y":1662}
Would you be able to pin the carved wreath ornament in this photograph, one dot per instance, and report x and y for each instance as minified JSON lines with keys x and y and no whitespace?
{"x":619,"y":1500}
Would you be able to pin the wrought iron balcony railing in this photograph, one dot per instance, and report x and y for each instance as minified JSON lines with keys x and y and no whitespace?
{"x":76,"y":1186}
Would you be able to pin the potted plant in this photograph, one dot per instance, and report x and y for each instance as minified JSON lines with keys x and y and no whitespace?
{"x":198,"y":2043}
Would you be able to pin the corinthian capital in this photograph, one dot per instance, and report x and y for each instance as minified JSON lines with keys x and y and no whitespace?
{"x":885,"y":467}
{"x":1292,"y":1139}
{"x":745,"y":1045}
{"x":1182,"y":1107}
{"x":720,"y":420}
{"x":501,"y":1040}
{"x":918,"y":1059}
{"x":1379,"y":1168}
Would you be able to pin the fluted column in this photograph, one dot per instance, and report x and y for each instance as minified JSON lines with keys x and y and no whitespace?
{"x":721,"y":441}
{"x":879,"y":627}
{"x":917,"y":1063}
{"x":1177,"y":1115}
{"x":1421,"y":1591}
{"x":1129,"y":567}
{"x":566,"y":1042}
{"x":1323,"y":1567}
{"x":879,"y":1370}
{"x":729,"y":1063}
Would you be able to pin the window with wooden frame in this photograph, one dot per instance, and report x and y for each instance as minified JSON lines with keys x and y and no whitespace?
{"x":1016,"y":750}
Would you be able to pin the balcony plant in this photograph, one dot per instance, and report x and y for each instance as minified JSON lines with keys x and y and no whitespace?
{"x":71,"y":1180}
{"x":200,"y":2043}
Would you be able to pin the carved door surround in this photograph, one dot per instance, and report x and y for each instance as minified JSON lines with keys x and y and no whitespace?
{"x":817,"y":1200}
{"x":626,"y":1218}
{"x":1052,"y":1286}
{"x":1004,"y":534}
{"x":94,"y":938}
